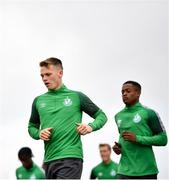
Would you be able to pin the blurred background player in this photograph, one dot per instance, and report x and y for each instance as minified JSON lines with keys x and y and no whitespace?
{"x":140,"y":128}
{"x":28,"y":170}
{"x":107,"y":169}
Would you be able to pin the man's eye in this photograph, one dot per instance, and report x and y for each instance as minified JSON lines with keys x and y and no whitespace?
{"x":124,"y":92}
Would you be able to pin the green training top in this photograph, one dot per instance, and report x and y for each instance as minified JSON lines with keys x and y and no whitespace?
{"x":61,"y":109}
{"x":105,"y":171}
{"x":33,"y":173}
{"x":137,"y":159}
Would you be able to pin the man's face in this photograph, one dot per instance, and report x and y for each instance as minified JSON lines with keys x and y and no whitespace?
{"x":51,"y":76}
{"x":27,"y":163}
{"x":130,"y":94}
{"x":105,"y":153}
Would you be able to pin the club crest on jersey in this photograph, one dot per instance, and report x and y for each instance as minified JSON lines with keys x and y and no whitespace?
{"x":119,"y":122}
{"x":67,"y":101}
{"x":33,"y":177}
{"x":137,"y":118}
{"x":113,"y":173}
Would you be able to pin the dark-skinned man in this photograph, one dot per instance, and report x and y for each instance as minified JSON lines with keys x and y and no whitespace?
{"x":28,"y":170}
{"x":140,"y":128}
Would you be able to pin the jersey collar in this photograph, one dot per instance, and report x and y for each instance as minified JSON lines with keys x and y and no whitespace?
{"x":107,"y":163}
{"x":138,"y":104}
{"x":58,"y":90}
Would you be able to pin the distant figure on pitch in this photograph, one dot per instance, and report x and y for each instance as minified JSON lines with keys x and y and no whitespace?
{"x":28,"y":170}
{"x":107,"y":169}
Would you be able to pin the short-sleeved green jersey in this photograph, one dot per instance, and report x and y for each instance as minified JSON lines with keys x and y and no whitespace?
{"x":105,"y":171}
{"x":62,"y":109}
{"x":137,"y":159}
{"x":33,"y":173}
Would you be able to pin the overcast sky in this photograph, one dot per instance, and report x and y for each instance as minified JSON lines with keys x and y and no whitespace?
{"x":101,"y":44}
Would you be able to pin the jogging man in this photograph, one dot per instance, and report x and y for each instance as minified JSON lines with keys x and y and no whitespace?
{"x":140,"y":128}
{"x":107,"y":169}
{"x":28,"y":170}
{"x":56,"y":119}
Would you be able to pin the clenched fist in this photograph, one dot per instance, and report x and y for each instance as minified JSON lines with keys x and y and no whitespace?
{"x":129,"y":136}
{"x":45,"y":134}
{"x":84,"y":129}
{"x":117,"y":148}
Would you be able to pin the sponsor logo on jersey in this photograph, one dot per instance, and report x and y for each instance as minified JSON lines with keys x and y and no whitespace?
{"x":113,"y":173}
{"x":20,"y":176}
{"x":42,"y":105}
{"x":119,"y":122}
{"x":100,"y":174}
{"x":137,"y":118}
{"x":67,"y":101}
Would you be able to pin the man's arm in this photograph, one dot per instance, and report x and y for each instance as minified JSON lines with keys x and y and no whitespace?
{"x":16,"y":173}
{"x":117,"y":146}
{"x":159,"y":137}
{"x":93,"y":111}
{"x":156,"y":140}
{"x":92,"y":175}
{"x":34,"y":122}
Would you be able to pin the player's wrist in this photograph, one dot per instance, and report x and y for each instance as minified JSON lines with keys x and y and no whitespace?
{"x":90,"y":128}
{"x":137,"y":138}
{"x":41,"y":134}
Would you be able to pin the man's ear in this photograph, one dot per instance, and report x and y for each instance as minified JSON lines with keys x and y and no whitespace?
{"x":60,"y":73}
{"x":138,"y":94}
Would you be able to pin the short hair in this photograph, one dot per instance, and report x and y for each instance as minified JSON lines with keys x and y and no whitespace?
{"x":25,"y":153}
{"x":134,"y":83}
{"x":105,"y":145}
{"x":52,"y":60}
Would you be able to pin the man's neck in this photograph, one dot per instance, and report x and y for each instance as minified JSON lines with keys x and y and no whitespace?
{"x":133,"y":104}
{"x":107,"y":162}
{"x":59,"y":86}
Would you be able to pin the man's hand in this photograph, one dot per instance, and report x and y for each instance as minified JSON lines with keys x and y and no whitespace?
{"x":117,"y":148}
{"x":83,"y":129}
{"x":129,"y":136}
{"x":45,"y":134}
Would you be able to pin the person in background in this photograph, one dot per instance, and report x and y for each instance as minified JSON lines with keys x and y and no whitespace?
{"x":107,"y":169}
{"x":28,"y":170}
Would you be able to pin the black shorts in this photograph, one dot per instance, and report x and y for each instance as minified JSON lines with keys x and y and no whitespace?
{"x":153,"y":176}
{"x":68,"y":168}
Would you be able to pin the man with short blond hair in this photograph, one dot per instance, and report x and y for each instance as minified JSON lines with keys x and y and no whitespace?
{"x":107,"y":169}
{"x":56,"y":119}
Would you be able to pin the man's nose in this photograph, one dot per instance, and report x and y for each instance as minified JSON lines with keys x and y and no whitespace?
{"x":44,"y":78}
{"x":125,"y":93}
